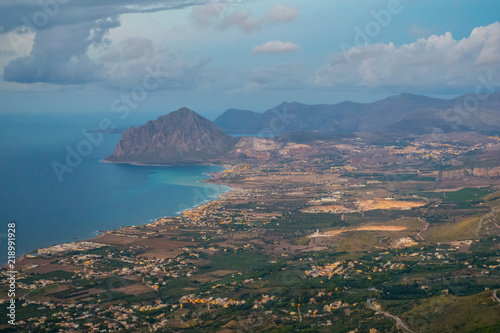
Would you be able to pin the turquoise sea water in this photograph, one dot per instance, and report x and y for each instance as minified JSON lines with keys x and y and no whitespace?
{"x":94,"y":196}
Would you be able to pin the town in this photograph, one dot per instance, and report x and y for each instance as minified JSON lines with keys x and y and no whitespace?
{"x":311,"y":245}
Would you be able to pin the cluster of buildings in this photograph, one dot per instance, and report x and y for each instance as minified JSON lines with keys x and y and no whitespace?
{"x":224,"y":302}
{"x":434,"y":150}
{"x":67,"y":247}
{"x":329,"y":270}
{"x":41,"y":283}
{"x":263,"y":300}
{"x":88,"y":317}
{"x":387,"y":266}
{"x":342,"y":268}
{"x":334,"y":306}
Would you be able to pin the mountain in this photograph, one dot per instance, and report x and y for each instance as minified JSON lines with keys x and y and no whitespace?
{"x":240,"y":121}
{"x":404,"y":114}
{"x":182,"y":136}
{"x":287,"y":117}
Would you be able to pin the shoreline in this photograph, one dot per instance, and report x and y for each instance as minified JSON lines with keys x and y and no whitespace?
{"x":102,"y":233}
{"x":159,"y":165}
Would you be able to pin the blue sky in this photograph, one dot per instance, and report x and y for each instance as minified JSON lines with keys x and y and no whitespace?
{"x":75,"y":55}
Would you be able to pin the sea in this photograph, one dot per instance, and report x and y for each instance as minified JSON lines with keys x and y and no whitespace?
{"x":56,"y":189}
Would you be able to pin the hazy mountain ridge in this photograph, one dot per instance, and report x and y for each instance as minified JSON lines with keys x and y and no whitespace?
{"x":393,"y":113}
{"x":183,"y":136}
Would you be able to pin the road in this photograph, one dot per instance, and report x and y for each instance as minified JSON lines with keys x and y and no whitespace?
{"x":419,"y":235}
{"x":387,"y":314}
{"x":495,"y":297}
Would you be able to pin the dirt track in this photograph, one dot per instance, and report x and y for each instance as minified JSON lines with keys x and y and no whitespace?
{"x":366,"y":228}
{"x":388,"y":204}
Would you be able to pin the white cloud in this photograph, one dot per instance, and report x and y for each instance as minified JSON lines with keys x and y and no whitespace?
{"x":276,"y":46}
{"x":57,"y":58}
{"x":434,"y":62}
{"x":221,"y":16}
{"x":63,"y":35}
{"x":207,"y":14}
{"x":283,"y":13}
{"x":14,"y":45}
{"x":242,"y":20}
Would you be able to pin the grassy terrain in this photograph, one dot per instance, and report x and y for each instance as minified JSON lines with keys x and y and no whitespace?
{"x":467,"y":229}
{"x":465,"y":196}
{"x":59,"y":275}
{"x":243,"y":261}
{"x":453,"y":314}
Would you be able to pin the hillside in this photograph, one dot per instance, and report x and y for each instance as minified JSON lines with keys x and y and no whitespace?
{"x":182,"y":136}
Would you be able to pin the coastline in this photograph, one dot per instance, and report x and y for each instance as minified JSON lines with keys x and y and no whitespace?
{"x":104,"y":160}
{"x":102,"y":233}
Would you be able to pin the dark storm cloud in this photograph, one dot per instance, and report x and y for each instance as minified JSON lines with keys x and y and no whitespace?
{"x":59,"y":55}
{"x":64,"y":32}
{"x":45,"y":14}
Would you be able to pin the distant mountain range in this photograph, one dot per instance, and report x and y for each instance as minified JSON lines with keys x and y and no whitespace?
{"x":404,"y":114}
{"x":184,"y":136}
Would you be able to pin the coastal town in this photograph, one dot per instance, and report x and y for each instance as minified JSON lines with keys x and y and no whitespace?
{"x":241,"y":166}
{"x":301,"y":245}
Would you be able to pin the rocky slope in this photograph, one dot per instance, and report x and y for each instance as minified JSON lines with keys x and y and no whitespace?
{"x":471,"y":173}
{"x":182,"y":136}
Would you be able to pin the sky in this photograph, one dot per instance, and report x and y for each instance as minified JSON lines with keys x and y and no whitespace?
{"x":153,"y":55}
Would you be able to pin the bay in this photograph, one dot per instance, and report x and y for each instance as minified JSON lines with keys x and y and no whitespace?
{"x":94,"y":196}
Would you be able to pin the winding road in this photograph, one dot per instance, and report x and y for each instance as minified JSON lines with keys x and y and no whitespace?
{"x":387,"y":314}
{"x":495,"y":297}
{"x":426,"y":225}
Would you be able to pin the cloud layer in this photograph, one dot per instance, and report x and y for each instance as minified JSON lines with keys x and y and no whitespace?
{"x":221,"y":16}
{"x":127,"y":64}
{"x":434,"y":62}
{"x":56,"y":58}
{"x":66,"y":30}
{"x":40,"y":15}
{"x":63,"y":42}
{"x":276,"y":46}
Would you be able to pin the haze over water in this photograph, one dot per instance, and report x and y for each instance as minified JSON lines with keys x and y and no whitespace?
{"x":95,"y":196}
